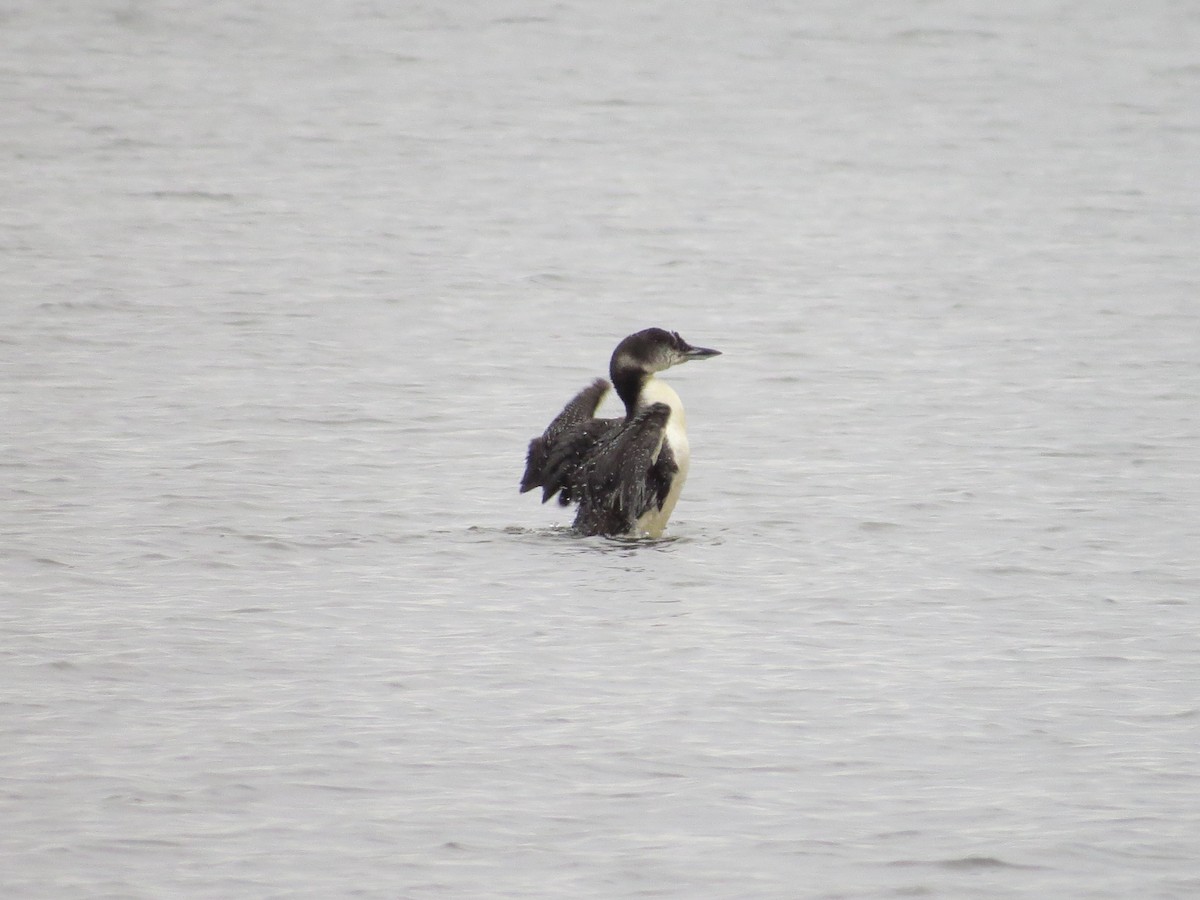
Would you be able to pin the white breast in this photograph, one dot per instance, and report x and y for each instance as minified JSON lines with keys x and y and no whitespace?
{"x":655,"y":391}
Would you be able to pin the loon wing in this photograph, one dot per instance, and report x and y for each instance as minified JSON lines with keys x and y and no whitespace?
{"x":662,"y":473}
{"x":567,"y":438}
{"x":622,"y":478}
{"x":564,"y":466}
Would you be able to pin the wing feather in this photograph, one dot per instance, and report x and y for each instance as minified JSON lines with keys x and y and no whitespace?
{"x":553,"y":448}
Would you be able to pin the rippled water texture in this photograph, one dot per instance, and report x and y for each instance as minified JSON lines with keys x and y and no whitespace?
{"x":286,"y":289}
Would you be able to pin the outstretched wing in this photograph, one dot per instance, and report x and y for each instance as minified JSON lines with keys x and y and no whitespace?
{"x":565,"y":439}
{"x":621,"y":479}
{"x":564,"y":466}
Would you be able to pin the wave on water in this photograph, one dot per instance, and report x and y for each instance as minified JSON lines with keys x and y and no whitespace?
{"x":965,"y":863}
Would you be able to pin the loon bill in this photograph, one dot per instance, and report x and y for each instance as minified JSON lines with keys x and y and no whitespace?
{"x":626,"y":474}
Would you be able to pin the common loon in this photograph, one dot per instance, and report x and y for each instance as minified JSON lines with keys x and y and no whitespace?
{"x":625,"y":474}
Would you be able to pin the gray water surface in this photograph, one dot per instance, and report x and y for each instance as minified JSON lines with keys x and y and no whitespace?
{"x":286,"y":288}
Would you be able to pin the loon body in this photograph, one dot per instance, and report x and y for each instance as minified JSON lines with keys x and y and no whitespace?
{"x":626,"y":474}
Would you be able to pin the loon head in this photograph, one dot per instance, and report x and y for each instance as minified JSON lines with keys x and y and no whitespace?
{"x":640,"y":355}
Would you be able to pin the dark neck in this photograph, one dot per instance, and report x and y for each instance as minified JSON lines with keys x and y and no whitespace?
{"x":628,"y":383}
